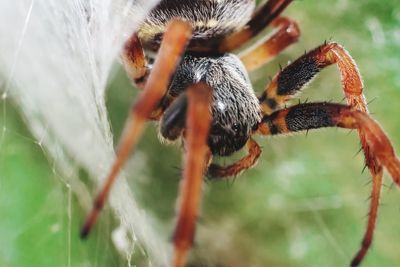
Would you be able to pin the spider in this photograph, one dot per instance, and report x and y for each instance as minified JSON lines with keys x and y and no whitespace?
{"x":200,"y":92}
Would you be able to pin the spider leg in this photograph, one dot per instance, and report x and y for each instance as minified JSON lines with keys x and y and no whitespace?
{"x":174,"y":42}
{"x":197,"y":155}
{"x":173,"y":124}
{"x":138,"y":70}
{"x":288,"y":32}
{"x":292,"y":79}
{"x":260,"y":20}
{"x":393,"y":167}
{"x":254,"y":152}
{"x":317,"y":115}
{"x":372,"y":217}
{"x":135,"y":62}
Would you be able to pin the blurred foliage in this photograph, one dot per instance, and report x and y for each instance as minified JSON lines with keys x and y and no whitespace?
{"x":304,"y":204}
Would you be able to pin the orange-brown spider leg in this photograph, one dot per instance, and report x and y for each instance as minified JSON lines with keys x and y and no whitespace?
{"x":174,"y":42}
{"x":198,"y":122}
{"x":254,"y":152}
{"x":260,"y":20}
{"x":380,"y":145}
{"x":317,"y":115}
{"x":135,"y":62}
{"x":293,"y":78}
{"x":288,"y":33}
{"x":138,"y":71}
{"x":372,"y":217}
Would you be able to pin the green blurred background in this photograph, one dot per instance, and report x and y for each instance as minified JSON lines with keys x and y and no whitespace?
{"x":304,"y":204}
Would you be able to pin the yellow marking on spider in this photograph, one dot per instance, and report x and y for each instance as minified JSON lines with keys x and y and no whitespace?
{"x":148,"y":32}
{"x":211,"y":23}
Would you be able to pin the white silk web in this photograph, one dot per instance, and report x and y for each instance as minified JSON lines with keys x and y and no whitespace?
{"x":56,"y":58}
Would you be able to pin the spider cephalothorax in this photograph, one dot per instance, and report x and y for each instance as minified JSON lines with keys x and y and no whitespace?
{"x":201,"y":92}
{"x":235,"y":107}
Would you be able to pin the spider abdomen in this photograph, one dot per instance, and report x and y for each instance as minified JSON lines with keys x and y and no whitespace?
{"x":235,"y":108}
{"x":210,"y":19}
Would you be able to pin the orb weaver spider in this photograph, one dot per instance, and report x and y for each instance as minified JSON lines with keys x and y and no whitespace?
{"x":200,"y":92}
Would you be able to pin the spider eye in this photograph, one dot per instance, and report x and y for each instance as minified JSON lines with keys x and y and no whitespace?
{"x":236,"y":127}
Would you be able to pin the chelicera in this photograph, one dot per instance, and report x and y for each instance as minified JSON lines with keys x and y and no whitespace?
{"x":200,"y":92}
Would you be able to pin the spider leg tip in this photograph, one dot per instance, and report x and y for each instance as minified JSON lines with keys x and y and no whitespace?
{"x":355,"y":262}
{"x":87,"y":227}
{"x":84,"y":233}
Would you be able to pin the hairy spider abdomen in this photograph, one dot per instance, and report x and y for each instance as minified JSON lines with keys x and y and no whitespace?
{"x":235,"y":109}
{"x":210,"y":19}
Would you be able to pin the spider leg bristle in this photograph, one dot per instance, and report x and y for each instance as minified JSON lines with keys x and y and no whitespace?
{"x":358,"y":152}
{"x":229,"y":183}
{"x":368,"y":182}
{"x":368,"y":198}
{"x":200,"y":220}
{"x":364,"y":168}
{"x":372,"y":100}
{"x":349,"y":132}
{"x":234,"y":179}
{"x":178,"y":171}
{"x":366,"y":215}
{"x":177,"y":168}
{"x":391,"y":185}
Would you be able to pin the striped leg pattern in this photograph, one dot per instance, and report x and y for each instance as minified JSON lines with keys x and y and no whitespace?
{"x":305,"y":117}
